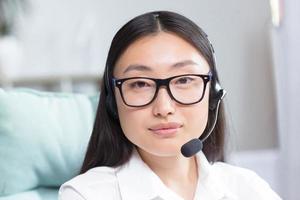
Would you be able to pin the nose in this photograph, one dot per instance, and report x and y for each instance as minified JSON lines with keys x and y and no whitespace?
{"x":163,"y":105}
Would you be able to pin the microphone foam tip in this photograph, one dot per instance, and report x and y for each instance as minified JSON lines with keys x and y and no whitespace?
{"x":192,"y":147}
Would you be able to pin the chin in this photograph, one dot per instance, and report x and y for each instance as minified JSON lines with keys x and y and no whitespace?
{"x":163,"y":150}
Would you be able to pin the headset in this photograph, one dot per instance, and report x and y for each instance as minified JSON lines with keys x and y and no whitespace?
{"x":110,"y":101}
{"x":217,"y":93}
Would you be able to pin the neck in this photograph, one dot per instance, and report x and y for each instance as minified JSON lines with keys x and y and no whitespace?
{"x":174,"y":171}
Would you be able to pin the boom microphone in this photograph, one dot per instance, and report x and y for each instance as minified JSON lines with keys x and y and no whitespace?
{"x":195,"y":145}
{"x":192,"y":147}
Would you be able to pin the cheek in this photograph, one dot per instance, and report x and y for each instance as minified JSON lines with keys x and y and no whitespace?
{"x":197,"y":117}
{"x":130,"y":119}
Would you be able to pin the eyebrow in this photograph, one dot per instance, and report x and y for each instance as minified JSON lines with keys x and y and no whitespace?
{"x":138,"y":67}
{"x":184,"y":63}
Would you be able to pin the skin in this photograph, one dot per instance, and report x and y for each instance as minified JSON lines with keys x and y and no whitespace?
{"x":164,"y":55}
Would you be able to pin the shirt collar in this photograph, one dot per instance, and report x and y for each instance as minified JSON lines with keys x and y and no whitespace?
{"x":137,"y":181}
{"x":209,"y":186}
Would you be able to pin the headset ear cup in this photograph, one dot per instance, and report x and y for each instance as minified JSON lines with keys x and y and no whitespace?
{"x":216,"y":95}
{"x":111,"y":107}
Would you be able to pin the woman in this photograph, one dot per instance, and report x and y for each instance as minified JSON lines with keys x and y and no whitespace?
{"x":160,"y":90}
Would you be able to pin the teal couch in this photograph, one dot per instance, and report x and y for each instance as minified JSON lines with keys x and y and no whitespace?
{"x":43,"y":138}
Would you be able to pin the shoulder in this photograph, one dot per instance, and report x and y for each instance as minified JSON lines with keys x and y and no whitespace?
{"x":242,"y":181}
{"x":97,"y":181}
{"x":227,"y":171}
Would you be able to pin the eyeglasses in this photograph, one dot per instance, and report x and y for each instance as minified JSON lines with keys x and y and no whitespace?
{"x":185,"y":89}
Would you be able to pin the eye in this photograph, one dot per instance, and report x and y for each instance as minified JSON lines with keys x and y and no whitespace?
{"x":139,"y":84}
{"x":184,"y":80}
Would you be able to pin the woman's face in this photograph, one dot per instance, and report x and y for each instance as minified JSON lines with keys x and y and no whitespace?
{"x":163,"y":126}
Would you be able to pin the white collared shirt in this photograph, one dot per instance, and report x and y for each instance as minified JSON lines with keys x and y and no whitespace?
{"x":136,"y":181}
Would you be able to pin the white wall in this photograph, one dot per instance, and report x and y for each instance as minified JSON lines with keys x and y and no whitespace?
{"x":77,"y":33}
{"x":286,"y":45}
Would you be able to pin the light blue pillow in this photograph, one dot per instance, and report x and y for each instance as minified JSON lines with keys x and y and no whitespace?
{"x":36,"y":194}
{"x":43,"y":137}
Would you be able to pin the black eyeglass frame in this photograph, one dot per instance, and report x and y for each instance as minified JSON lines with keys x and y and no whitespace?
{"x":162,"y":82}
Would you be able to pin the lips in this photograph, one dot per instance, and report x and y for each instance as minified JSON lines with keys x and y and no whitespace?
{"x":165,"y":129}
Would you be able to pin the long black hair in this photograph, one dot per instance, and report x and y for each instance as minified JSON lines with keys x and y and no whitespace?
{"x":108,"y":145}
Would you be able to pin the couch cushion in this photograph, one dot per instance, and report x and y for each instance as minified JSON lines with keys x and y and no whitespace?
{"x":43,"y":137}
{"x":36,"y":194}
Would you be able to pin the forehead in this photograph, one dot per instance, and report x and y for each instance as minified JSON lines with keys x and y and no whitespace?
{"x":158,"y":52}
